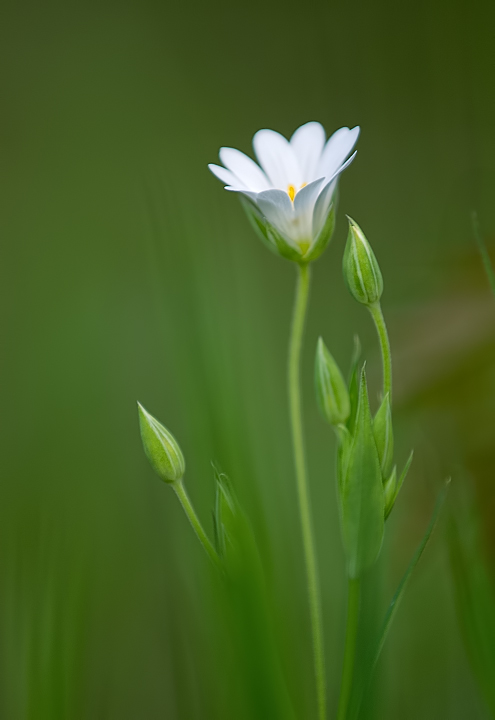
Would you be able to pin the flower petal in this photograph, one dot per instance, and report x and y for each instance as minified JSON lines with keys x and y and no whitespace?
{"x":226,"y":176}
{"x":304,"y":204}
{"x":322,"y":206}
{"x":326,"y":195}
{"x":308,"y":142}
{"x":277,"y":208}
{"x":251,"y":176}
{"x":277,"y":158}
{"x":336,"y":150}
{"x":251,"y":195}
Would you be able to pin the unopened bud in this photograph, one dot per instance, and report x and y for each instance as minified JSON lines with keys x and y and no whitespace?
{"x":161,"y":448}
{"x":361,"y":270}
{"x":331,"y":391}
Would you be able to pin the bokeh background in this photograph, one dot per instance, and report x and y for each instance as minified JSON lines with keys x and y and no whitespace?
{"x":128,"y":273}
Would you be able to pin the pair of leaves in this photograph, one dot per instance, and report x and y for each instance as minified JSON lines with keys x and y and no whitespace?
{"x":367,"y":488}
{"x":361,"y":489}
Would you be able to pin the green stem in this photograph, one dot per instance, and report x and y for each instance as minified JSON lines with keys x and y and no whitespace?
{"x":297,"y":330}
{"x":181,"y":493}
{"x":353,"y":599}
{"x":381,"y":328}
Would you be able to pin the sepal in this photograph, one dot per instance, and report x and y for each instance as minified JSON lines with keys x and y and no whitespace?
{"x":323,"y":238}
{"x":271,"y":237}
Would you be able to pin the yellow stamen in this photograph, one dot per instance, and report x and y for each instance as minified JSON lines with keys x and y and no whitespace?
{"x":291,"y":191}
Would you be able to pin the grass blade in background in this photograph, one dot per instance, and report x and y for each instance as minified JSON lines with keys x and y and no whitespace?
{"x":399,"y":593}
{"x":475,"y":600}
{"x":487,"y":263}
{"x":251,"y":660}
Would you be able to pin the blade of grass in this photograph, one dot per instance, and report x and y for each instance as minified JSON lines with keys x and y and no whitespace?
{"x":475,"y":602}
{"x":399,"y":593}
{"x":487,"y":263}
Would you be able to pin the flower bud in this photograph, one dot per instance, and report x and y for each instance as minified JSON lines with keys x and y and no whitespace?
{"x":161,"y":448}
{"x":361,"y":271}
{"x":331,"y":391}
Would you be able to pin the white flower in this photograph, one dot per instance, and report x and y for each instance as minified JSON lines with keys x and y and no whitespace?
{"x":291,"y":193}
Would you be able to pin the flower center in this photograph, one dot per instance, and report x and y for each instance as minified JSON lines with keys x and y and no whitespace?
{"x":291,"y":191}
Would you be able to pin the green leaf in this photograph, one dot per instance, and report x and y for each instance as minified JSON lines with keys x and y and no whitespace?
{"x":390,"y":490}
{"x":384,"y":435}
{"x":399,"y":594}
{"x":403,"y":474}
{"x":393,"y":486}
{"x":361,"y":496}
{"x":331,"y":391}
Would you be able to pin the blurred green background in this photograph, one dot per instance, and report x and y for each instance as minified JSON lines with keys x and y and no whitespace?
{"x":128,"y":273}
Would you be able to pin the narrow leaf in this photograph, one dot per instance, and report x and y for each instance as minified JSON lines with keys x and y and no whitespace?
{"x":384,"y":436}
{"x":390,"y":490}
{"x":403,"y":474}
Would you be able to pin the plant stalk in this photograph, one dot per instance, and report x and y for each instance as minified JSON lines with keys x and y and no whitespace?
{"x":297,"y":331}
{"x":181,"y":493}
{"x":381,"y":328}
{"x":353,"y":601}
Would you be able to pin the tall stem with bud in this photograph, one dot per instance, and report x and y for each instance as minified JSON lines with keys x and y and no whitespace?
{"x":188,"y":508}
{"x":381,"y":328}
